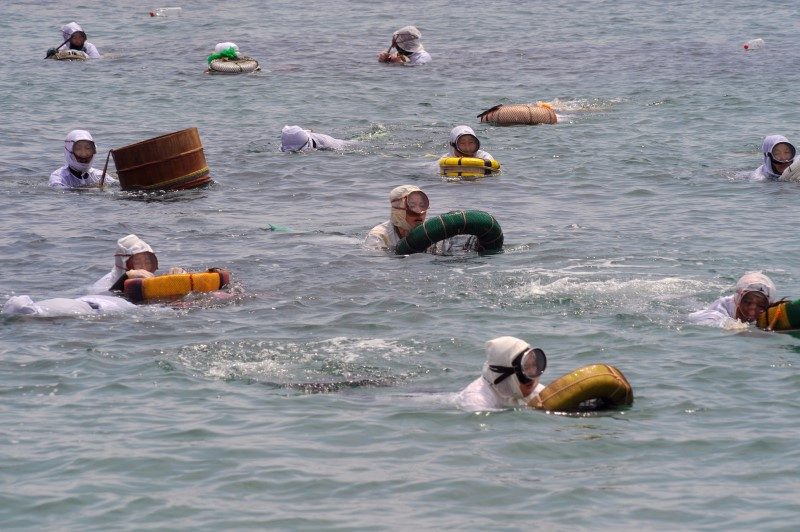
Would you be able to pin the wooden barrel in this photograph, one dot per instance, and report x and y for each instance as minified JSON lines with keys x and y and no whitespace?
{"x":519,"y":114}
{"x":173,"y":161}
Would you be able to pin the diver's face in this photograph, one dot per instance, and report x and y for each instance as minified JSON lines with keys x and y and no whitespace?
{"x":77,"y":40}
{"x":527,"y":389}
{"x":144,"y":260}
{"x":781,"y":157}
{"x":415,"y":218}
{"x":467,"y":145}
{"x":83,"y":150}
{"x":751,"y":306}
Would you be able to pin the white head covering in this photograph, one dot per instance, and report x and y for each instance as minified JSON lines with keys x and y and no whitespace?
{"x":127,"y":246}
{"x":458,"y":132}
{"x":500,"y":352}
{"x":294,"y":138}
{"x":769,"y":143}
{"x":68,"y":29}
{"x":755,"y":282}
{"x":408,"y":39}
{"x":223,"y":45}
{"x":72,"y":137}
{"x":397,"y":212}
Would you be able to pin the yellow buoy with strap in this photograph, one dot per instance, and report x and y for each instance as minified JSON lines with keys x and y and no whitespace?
{"x":467,"y":167}
{"x":602,"y":385}
{"x":170,"y":286}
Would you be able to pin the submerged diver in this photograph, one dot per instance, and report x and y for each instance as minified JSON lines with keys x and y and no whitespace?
{"x":295,"y":139}
{"x":778,"y":154}
{"x":134,"y":259}
{"x":510,"y":376}
{"x":79,"y":152}
{"x":409,"y":207}
{"x":755,"y":292}
{"x":76,"y":37}
{"x":464,"y":143}
{"x":407,"y":41}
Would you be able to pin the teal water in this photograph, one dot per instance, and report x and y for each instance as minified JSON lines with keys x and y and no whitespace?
{"x":322,"y":397}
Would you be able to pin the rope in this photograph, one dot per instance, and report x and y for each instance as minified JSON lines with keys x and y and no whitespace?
{"x":103,"y":177}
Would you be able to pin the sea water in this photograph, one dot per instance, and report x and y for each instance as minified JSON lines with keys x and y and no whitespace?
{"x":322,"y":396}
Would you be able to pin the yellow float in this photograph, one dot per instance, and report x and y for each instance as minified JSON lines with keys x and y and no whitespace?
{"x":171,"y":286}
{"x":601,"y":383}
{"x":467,"y":167}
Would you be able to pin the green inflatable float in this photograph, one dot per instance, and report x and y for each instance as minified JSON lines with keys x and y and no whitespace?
{"x":479,"y":223}
{"x":782,"y":316}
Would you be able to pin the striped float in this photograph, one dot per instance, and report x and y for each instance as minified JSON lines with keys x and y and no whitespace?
{"x":519,"y":114}
{"x":242,"y":65}
{"x":481,"y":224}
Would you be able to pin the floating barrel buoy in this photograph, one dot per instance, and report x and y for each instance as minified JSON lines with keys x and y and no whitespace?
{"x":242,"y":65}
{"x":519,"y":114}
{"x":467,"y":167}
{"x":481,"y":224}
{"x":605,"y":385}
{"x":170,"y":286}
{"x":173,"y":161}
{"x":783,"y":316}
{"x":70,"y":55}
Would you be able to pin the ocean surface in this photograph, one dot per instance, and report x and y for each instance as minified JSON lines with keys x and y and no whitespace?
{"x":321,"y":397}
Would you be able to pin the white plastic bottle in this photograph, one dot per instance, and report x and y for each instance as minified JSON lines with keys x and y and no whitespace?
{"x":166,"y":12}
{"x":754,"y":44}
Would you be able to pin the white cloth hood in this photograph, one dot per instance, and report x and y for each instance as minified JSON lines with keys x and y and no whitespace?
{"x":72,"y":137}
{"x":294,"y":138}
{"x":68,"y":29}
{"x":767,"y":146}
{"x":501,"y":352}
{"x":457,"y":132}
{"x":126,"y":246}
{"x":755,"y":282}
{"x":225,"y":45}
{"x":397,"y":211}
{"x":408,"y":39}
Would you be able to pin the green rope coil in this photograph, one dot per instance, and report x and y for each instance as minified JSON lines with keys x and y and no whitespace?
{"x":479,"y":223}
{"x":229,"y":53}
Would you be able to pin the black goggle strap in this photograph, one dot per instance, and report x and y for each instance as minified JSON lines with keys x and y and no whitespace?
{"x":515,"y":368}
{"x":504,"y":371}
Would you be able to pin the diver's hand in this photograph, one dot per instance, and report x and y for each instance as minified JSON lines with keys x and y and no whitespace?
{"x":139,"y":274}
{"x":50,"y":53}
{"x":176,"y":271}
